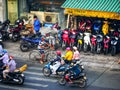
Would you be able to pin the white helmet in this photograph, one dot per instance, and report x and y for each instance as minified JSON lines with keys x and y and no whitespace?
{"x":74,"y":47}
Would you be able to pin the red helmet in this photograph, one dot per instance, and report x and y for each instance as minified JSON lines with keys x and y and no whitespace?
{"x":11,"y":57}
{"x":58,"y":52}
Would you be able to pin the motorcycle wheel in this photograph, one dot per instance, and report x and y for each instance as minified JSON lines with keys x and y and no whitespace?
{"x":51,"y":56}
{"x":34,"y":55}
{"x":82,"y":83}
{"x":113,"y":51}
{"x":21,"y":80}
{"x":46,"y":72}
{"x":62,"y":81}
{"x":24,"y":47}
{"x":14,"y":39}
{"x":99,"y":48}
{"x":85,"y":47}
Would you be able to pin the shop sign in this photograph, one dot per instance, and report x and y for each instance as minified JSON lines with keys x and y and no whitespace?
{"x":90,"y":13}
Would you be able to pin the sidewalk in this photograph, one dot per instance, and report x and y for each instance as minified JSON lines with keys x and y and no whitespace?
{"x":88,"y":59}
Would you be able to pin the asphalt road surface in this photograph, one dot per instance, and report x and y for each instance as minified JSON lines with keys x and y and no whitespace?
{"x":98,"y":79}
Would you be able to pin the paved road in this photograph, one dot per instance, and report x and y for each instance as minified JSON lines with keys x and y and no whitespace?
{"x":98,"y":79}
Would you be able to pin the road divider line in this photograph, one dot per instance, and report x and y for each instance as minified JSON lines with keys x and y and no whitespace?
{"x":35,"y":84}
{"x":33,"y":73}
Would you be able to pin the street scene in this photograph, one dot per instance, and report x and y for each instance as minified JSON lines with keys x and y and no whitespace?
{"x":59,"y":44}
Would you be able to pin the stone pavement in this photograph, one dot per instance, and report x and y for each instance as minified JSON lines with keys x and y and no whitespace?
{"x":88,"y":59}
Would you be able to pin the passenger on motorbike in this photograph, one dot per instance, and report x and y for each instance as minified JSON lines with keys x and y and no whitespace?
{"x":11,"y":66}
{"x":41,"y":48}
{"x":56,"y":62}
{"x":76,"y":54}
{"x":68,"y":56}
{"x":4,"y":59}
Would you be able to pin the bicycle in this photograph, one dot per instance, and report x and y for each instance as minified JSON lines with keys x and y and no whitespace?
{"x":35,"y":55}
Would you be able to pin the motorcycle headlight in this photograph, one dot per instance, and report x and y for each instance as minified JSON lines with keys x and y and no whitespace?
{"x":85,"y":77}
{"x":22,"y":75}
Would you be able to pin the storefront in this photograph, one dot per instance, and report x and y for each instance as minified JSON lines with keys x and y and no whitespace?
{"x":106,"y":9}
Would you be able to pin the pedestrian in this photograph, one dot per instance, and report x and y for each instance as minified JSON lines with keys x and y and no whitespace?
{"x":76,"y":54}
{"x":36,"y":25}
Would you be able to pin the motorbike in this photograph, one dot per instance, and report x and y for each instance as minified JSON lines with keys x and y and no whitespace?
{"x":99,"y":40}
{"x":47,"y":71}
{"x":97,"y":26}
{"x":93,"y":43}
{"x":65,"y":38}
{"x":82,"y":25}
{"x":72,"y":37}
{"x":88,"y":26}
{"x":79,"y":41}
{"x":29,"y":42}
{"x":71,"y":77}
{"x":114,"y":45}
{"x":16,"y":77}
{"x":106,"y":42}
{"x":87,"y":42}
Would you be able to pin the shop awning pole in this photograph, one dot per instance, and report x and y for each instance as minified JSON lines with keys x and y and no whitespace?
{"x":68,"y":21}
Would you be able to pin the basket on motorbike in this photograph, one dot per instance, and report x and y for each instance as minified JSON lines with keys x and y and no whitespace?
{"x":25,"y":32}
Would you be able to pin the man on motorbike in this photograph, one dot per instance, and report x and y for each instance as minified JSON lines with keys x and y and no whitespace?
{"x":68,"y":56}
{"x":11,"y":66}
{"x":76,"y":54}
{"x":56,"y":62}
{"x":4,"y":58}
{"x":41,"y":48}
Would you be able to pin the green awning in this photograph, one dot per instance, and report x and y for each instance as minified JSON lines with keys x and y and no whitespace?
{"x":97,"y":5}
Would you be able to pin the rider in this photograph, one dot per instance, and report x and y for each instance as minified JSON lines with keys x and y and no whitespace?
{"x":4,"y":59}
{"x":68,"y":56}
{"x":76,"y":54}
{"x":56,"y":62}
{"x":11,"y":66}
{"x":41,"y":48}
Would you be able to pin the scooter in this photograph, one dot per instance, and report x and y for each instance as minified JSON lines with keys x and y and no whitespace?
{"x":65,"y":38}
{"x":87,"y":42}
{"x":16,"y":77}
{"x":71,"y":77}
{"x":72,"y":36}
{"x":114,"y":44}
{"x":93,"y":43}
{"x":80,"y":41}
{"x":106,"y":42}
{"x":88,"y":26}
{"x":99,"y":39}
{"x":47,"y":70}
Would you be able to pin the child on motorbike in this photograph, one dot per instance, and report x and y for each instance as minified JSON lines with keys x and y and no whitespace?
{"x":68,"y":56}
{"x":41,"y":48}
{"x":56,"y":63}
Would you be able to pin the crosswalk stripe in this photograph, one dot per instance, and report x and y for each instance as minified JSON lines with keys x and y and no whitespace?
{"x":42,"y":79}
{"x":35,"y":84}
{"x":35,"y":68}
{"x":17,"y":88}
{"x":33,"y":73}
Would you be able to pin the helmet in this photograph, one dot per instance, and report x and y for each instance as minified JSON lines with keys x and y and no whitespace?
{"x":58,"y":52}
{"x":68,"y":48}
{"x":4,"y":51}
{"x":74,"y":47}
{"x":11,"y":57}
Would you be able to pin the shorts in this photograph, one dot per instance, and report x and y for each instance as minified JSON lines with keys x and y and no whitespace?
{"x":52,"y":40}
{"x":41,"y":51}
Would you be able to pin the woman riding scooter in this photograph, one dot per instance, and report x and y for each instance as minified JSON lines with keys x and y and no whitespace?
{"x":56,"y":63}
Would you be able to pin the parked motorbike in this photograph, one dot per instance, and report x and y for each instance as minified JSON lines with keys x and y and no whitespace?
{"x":99,"y":39}
{"x":72,"y":37}
{"x":16,"y":77}
{"x":65,"y":38}
{"x":93,"y":43}
{"x":71,"y":77}
{"x":29,"y":42}
{"x":87,"y":42}
{"x":97,"y":27}
{"x":114,"y":44}
{"x":82,"y":26}
{"x":106,"y":42}
{"x":80,"y":41}
{"x":88,"y":26}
